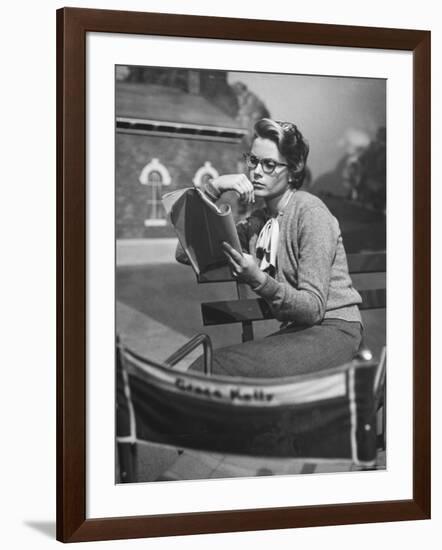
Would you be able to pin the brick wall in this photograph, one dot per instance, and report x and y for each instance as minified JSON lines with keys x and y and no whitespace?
{"x":182,"y":158}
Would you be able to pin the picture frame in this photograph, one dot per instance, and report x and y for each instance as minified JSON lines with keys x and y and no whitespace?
{"x":73,"y":25}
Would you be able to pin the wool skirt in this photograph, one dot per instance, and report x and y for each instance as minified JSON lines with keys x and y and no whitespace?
{"x":288,"y":352}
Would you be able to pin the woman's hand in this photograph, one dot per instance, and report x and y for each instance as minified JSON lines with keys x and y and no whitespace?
{"x":243,"y":266}
{"x":235,"y":182}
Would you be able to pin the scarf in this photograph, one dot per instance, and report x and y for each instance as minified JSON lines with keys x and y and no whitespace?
{"x":267,"y":244}
{"x":268,"y":239}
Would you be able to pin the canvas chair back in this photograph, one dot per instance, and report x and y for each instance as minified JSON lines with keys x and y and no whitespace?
{"x":326,"y":416}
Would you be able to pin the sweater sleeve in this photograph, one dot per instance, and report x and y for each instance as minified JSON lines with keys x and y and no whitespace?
{"x":318,"y":234}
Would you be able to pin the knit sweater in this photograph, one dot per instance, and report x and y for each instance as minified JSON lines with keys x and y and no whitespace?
{"x":311,"y":282}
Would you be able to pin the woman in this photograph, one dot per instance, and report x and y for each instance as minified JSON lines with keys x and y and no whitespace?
{"x":294,"y":258}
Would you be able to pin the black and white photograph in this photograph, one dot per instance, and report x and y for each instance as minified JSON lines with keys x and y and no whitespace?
{"x":250,"y":276}
{"x":220,"y":233}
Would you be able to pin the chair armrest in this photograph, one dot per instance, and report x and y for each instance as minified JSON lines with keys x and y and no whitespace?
{"x":199,"y":339}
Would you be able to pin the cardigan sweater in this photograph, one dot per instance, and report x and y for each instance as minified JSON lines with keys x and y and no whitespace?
{"x":311,"y":282}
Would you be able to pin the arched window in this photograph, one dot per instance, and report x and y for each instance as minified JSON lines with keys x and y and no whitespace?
{"x":154,"y":175}
{"x":204,"y":174}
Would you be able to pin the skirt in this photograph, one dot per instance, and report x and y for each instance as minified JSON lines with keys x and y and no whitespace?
{"x":290,"y":351}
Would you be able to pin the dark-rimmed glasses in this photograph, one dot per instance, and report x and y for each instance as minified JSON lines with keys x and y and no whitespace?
{"x":268,"y":165}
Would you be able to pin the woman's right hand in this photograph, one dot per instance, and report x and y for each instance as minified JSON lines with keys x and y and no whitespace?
{"x":235,"y":182}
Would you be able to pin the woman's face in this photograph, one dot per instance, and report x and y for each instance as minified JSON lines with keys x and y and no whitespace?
{"x":268,"y":186}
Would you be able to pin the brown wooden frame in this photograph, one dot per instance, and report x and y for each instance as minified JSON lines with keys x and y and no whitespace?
{"x":72,"y":26}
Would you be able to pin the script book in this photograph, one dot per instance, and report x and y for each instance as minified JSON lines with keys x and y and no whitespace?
{"x":201,"y":227}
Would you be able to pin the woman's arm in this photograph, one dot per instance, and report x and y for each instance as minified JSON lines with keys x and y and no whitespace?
{"x":230,"y":182}
{"x":318,"y":235}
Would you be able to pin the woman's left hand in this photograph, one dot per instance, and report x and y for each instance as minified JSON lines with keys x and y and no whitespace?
{"x":243,"y":266}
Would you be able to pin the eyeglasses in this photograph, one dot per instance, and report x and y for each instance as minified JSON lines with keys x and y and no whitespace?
{"x":268,"y":165}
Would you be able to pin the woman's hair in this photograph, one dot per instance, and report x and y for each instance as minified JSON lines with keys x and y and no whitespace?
{"x":291,"y":144}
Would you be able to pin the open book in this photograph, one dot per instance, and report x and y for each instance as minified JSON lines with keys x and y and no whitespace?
{"x":201,"y":227}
